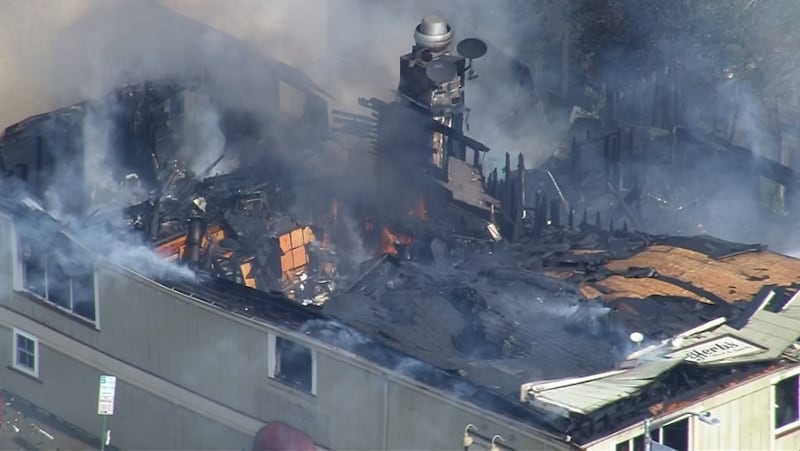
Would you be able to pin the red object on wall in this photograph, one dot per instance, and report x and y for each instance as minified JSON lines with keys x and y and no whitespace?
{"x":276,"y":436}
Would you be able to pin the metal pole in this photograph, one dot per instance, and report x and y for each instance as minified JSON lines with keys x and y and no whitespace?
{"x":103,"y":436}
{"x":647,"y":445}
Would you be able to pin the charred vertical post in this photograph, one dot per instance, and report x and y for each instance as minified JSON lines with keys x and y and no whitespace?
{"x":155,"y":218}
{"x":508,"y":186}
{"x":616,"y":157}
{"x":607,"y":158}
{"x":576,"y":159}
{"x":519,"y":197}
{"x":540,"y":214}
{"x":555,"y":212}
{"x":194,"y":237}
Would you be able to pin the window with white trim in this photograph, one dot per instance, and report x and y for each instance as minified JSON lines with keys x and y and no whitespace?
{"x":787,"y":401}
{"x":26,"y":353}
{"x":57,"y":270}
{"x":675,"y":435}
{"x":293,"y":364}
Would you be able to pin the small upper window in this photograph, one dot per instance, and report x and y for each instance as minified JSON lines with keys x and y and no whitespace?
{"x":293,"y":364}
{"x":787,"y":402}
{"x":26,"y":353}
{"x":60,"y":273}
{"x":674,"y":435}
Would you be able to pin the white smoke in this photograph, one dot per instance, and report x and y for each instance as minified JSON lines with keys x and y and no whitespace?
{"x":203,"y":139}
{"x":144,"y":260}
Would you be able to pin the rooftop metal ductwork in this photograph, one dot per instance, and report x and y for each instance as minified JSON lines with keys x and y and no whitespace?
{"x":432,"y":78}
{"x":434,"y":34}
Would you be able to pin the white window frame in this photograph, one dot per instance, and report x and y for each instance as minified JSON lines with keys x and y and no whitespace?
{"x":774,"y":398}
{"x":659,"y":431}
{"x":20,"y":284}
{"x":272,"y":362}
{"x":16,"y":364}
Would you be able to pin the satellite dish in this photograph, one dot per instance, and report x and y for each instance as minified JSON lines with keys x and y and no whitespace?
{"x":637,"y":337}
{"x":471,"y":48}
{"x":440,"y":71}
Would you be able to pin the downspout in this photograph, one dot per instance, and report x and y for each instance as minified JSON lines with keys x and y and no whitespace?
{"x":385,"y":413}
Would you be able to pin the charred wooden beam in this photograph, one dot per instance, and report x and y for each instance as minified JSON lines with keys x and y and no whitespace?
{"x":519,"y":198}
{"x":576,"y":160}
{"x":194,"y":237}
{"x":555,"y":213}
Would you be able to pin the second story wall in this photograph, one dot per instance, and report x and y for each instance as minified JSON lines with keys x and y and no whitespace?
{"x":747,"y":416}
{"x":342,"y":401}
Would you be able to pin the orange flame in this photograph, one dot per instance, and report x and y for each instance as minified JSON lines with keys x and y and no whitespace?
{"x":390,"y":240}
{"x":419,"y":211}
{"x":368,"y":225}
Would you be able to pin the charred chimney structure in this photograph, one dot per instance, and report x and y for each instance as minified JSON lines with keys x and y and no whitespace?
{"x":421,"y":151}
{"x":432,"y":79}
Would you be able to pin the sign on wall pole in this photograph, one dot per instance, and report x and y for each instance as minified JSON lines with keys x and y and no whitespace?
{"x":105,"y":406}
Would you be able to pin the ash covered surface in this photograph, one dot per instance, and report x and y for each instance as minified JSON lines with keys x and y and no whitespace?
{"x":483,"y":319}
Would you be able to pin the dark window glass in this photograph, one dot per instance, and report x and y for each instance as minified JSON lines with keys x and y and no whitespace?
{"x":293,"y":363}
{"x":786,"y":402}
{"x":676,"y":435}
{"x":656,"y":435}
{"x":33,"y":266}
{"x":638,"y":443}
{"x":60,"y":272}
{"x":58,"y":286}
{"x":83,"y":295}
{"x":624,"y":446}
{"x":26,"y":352}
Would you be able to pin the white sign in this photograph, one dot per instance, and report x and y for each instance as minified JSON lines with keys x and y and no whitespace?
{"x":105,"y":399}
{"x":720,"y":348}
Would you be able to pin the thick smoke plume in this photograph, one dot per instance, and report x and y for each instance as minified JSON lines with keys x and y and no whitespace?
{"x":734,"y":65}
{"x":203,"y":140}
{"x":350,"y":47}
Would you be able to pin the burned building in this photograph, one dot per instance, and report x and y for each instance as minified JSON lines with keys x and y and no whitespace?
{"x":252,"y":302}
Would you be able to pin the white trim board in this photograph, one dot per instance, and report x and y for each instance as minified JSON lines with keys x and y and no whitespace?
{"x":130,"y":374}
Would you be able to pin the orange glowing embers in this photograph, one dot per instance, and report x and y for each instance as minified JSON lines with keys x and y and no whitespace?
{"x":293,"y":244}
{"x":390,"y":241}
{"x":248,"y":273}
{"x":420,"y":210}
{"x":173,"y":249}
